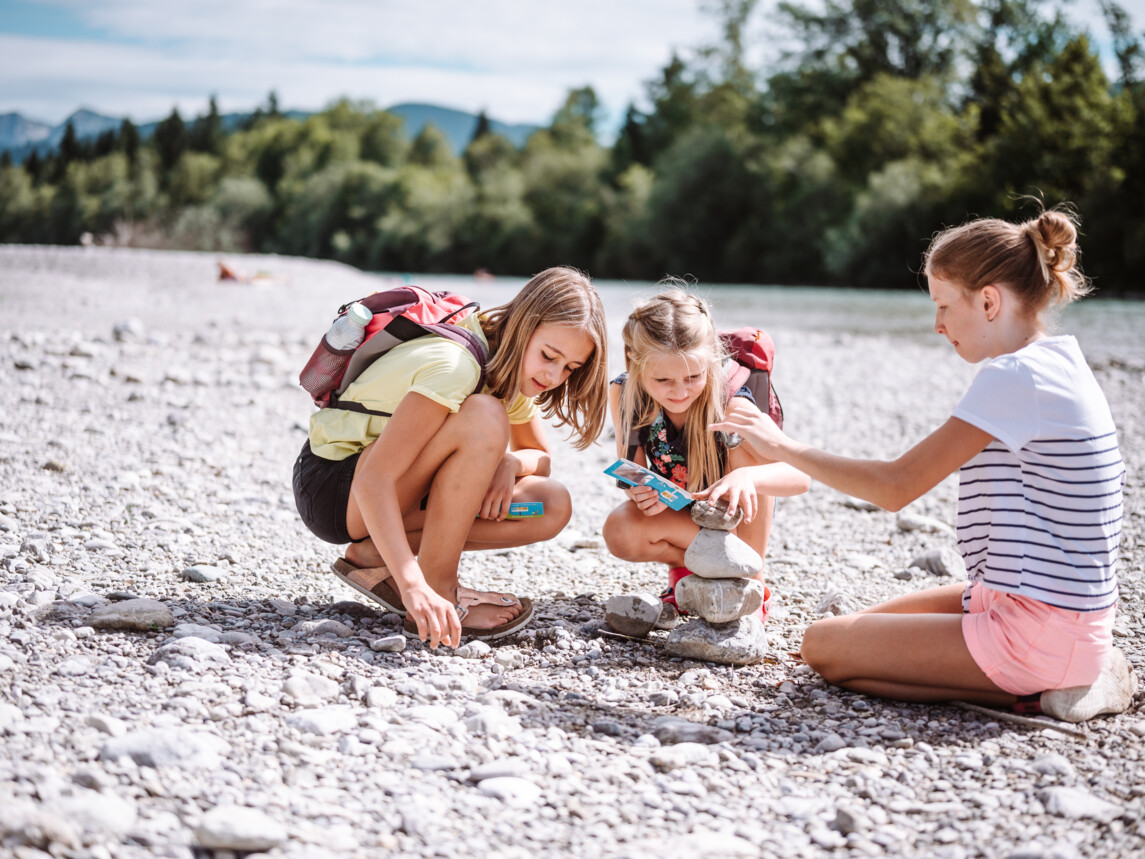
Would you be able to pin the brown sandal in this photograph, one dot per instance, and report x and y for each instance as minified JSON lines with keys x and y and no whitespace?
{"x":383,"y":592}
{"x":467,"y":597}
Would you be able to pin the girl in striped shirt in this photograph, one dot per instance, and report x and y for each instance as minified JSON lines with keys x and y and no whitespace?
{"x":1040,"y":499}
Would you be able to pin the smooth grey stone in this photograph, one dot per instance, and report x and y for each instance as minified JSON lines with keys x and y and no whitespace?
{"x":97,"y":812}
{"x":716,"y":516}
{"x":109,"y":725}
{"x":324,"y":722}
{"x":1053,"y":764}
{"x":389,"y":644}
{"x":670,"y":730}
{"x":141,"y":615}
{"x":516,"y":792}
{"x":309,"y":690}
{"x":472,"y":650}
{"x":721,"y":555}
{"x":59,"y":610}
{"x":632,"y":614}
{"x":741,"y":642}
{"x":429,"y":762}
{"x":190,"y":654}
{"x":683,"y":754}
{"x":493,"y":722}
{"x":381,"y":697}
{"x":1077,"y":804}
{"x":914,"y":522}
{"x":197,"y":630}
{"x":308,"y":628}
{"x":74,"y":666}
{"x":500,"y":768}
{"x":233,"y":827}
{"x":156,"y":747}
{"x":941,"y":562}
{"x":719,"y":600}
{"x":830,"y":743}
{"x":202,"y":573}
{"x":669,"y":616}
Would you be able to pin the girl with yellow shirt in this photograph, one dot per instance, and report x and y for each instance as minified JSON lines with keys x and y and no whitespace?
{"x":410,"y":492}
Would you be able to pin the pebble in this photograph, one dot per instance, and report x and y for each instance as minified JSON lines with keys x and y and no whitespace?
{"x":389,"y":644}
{"x":156,"y":747}
{"x":941,"y":562}
{"x":515,"y":792}
{"x":633,"y":615}
{"x":202,"y":574}
{"x":232,"y":827}
{"x":140,"y":615}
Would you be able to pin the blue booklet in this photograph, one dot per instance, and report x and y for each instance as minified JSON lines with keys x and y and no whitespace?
{"x":637,"y":475}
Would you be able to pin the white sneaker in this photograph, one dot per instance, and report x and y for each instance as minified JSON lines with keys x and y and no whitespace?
{"x":1112,"y":692}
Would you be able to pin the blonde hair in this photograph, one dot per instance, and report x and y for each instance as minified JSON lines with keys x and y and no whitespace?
{"x":676,"y":322}
{"x":1037,"y":259}
{"x":556,"y":296}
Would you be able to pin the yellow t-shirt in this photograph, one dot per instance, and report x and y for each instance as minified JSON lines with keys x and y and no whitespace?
{"x":432,"y":366}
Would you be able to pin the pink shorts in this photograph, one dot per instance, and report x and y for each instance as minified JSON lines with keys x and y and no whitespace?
{"x":1026,"y":646}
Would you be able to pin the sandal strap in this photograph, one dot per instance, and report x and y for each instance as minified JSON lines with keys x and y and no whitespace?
{"x":468,"y":597}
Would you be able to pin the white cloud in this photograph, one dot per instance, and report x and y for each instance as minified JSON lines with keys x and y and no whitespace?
{"x":515,"y":58}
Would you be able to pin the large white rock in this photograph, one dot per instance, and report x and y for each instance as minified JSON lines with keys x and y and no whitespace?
{"x":719,"y":600}
{"x":141,"y":615}
{"x":741,"y":642}
{"x":721,"y":555}
{"x":233,"y":827}
{"x":633,"y":615}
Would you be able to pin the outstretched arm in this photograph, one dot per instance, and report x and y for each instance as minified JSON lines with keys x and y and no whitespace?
{"x":890,"y":484}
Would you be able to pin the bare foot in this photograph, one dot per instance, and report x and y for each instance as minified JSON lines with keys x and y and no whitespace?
{"x":485,"y":616}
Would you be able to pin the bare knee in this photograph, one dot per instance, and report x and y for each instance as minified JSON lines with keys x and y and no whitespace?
{"x":820,"y":644}
{"x":558,"y":508}
{"x":482,"y":423}
{"x":620,"y":534}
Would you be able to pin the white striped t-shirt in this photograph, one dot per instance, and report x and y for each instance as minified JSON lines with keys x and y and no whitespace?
{"x":1039,"y":510}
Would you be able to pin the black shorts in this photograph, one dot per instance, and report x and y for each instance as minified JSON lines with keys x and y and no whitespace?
{"x":322,"y":493}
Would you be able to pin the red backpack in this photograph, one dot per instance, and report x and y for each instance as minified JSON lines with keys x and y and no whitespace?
{"x":753,"y":354}
{"x":400,"y":314}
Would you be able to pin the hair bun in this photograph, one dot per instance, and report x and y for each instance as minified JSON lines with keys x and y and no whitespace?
{"x":1055,"y":238}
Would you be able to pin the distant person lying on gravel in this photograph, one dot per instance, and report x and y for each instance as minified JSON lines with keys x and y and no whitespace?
{"x":675,"y":385}
{"x":410,"y":492}
{"x":1039,"y":507}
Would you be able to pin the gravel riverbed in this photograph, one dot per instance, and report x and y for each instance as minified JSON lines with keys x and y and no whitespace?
{"x":149,"y":418}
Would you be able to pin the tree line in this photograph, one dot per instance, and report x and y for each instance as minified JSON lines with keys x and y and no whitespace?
{"x":879,"y":122}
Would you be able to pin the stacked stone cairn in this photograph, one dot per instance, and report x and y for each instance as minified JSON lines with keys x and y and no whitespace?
{"x":722,"y":597}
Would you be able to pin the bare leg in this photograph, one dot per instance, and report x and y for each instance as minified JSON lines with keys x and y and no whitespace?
{"x":910,"y":648}
{"x":663,"y":538}
{"x":454,"y":469}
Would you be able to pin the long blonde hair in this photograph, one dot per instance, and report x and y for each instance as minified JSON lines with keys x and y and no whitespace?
{"x":556,"y":296}
{"x":676,"y":322}
{"x":1037,"y":259}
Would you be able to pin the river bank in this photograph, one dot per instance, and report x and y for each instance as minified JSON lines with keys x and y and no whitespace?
{"x":150,"y":417}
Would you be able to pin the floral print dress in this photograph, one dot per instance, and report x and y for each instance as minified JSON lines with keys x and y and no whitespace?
{"x":665,"y":447}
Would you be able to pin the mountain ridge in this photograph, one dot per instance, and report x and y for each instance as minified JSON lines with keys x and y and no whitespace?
{"x":21,"y":135}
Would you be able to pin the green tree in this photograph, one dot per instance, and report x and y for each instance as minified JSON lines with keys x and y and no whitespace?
{"x":170,"y":140}
{"x":206,"y":132}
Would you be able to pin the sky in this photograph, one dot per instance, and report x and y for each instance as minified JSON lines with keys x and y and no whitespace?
{"x":515,"y":59}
